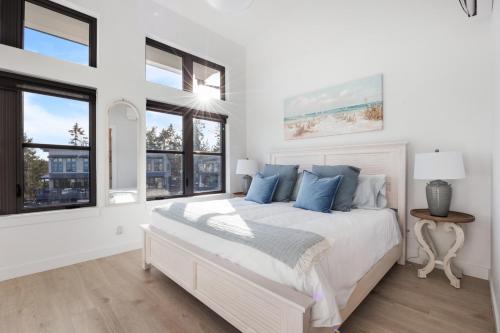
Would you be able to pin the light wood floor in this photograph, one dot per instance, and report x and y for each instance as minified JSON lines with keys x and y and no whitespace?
{"x":114,"y":295}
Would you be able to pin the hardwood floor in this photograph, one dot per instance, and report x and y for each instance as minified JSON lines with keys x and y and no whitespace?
{"x":114,"y":295}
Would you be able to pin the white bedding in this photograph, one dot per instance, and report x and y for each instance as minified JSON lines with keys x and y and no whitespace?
{"x":358,"y":240}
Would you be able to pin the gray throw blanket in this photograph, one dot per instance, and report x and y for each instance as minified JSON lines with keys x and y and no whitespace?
{"x":298,"y":249}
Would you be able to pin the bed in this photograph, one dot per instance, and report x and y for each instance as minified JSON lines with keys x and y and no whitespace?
{"x":257,"y":293}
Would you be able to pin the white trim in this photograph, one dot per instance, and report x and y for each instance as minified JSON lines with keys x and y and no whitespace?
{"x":11,"y":272}
{"x":495,"y":306}
{"x":17,"y":220}
{"x":151,"y":204}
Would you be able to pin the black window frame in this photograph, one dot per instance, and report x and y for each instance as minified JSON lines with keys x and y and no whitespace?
{"x":188,"y":60}
{"x":188,"y":153}
{"x":12,"y":142}
{"x":12,"y":23}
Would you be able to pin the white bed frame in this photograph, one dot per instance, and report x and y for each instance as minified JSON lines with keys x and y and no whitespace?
{"x":255,"y":304}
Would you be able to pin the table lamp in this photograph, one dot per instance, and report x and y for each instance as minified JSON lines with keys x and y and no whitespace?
{"x":248,"y":168}
{"x":435,"y":167}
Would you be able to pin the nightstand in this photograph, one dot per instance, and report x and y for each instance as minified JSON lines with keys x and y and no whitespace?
{"x":452,"y":222}
{"x":238,"y":194}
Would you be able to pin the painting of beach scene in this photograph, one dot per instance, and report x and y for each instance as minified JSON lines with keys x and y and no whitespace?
{"x":351,"y":107}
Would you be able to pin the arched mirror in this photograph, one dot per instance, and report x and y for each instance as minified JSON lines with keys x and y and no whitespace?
{"x":122,"y":134}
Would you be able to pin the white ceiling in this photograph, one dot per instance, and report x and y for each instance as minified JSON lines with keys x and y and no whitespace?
{"x":238,"y":27}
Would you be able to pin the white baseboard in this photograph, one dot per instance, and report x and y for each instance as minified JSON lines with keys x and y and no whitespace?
{"x":11,"y":272}
{"x":495,"y":306}
{"x":468,"y":269}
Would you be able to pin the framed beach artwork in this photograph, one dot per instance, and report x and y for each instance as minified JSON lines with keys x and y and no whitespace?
{"x":355,"y":106}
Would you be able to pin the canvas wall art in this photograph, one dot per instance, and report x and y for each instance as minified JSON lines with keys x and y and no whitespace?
{"x":355,"y":106}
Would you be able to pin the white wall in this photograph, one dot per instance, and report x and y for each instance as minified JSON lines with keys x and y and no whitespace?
{"x":437,"y":90}
{"x":34,"y":242}
{"x":495,"y":232}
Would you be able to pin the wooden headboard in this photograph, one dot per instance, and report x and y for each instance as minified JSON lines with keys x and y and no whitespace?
{"x":373,"y":159}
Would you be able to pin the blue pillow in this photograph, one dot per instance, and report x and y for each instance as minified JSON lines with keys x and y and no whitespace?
{"x":343,"y":200}
{"x":317,"y":193}
{"x":288,"y":177}
{"x":262,"y":188}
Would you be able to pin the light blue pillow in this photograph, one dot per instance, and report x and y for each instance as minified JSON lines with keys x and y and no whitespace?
{"x":317,"y":193}
{"x":343,"y":200}
{"x":262,"y":188}
{"x":288,"y":177}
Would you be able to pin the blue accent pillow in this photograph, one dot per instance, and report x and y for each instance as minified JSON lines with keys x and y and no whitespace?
{"x":317,"y":193}
{"x":343,"y":200}
{"x":288,"y":177}
{"x":262,"y":188}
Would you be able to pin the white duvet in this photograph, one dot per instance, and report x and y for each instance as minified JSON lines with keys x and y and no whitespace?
{"x":358,"y":240}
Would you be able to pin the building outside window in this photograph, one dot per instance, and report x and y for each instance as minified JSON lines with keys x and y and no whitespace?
{"x":70,"y":186}
{"x":56,"y":164}
{"x":70,"y":164}
{"x":86,"y":165}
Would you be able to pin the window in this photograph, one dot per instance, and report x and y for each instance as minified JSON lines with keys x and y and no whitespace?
{"x":185,"y":151}
{"x":163,"y":68}
{"x":85,"y":167}
{"x":71,"y":164}
{"x":50,"y":29}
{"x":180,"y":70}
{"x":164,"y":144}
{"x":46,"y":136}
{"x":56,"y":164}
{"x":206,"y":81}
{"x":207,"y":158}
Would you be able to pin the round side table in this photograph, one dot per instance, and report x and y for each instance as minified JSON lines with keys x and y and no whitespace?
{"x":452,"y":222}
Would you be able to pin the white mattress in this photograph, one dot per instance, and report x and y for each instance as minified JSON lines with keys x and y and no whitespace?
{"x":359,"y":239}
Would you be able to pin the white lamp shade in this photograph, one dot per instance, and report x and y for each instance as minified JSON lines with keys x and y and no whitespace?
{"x":247,"y":167}
{"x":439,"y":165}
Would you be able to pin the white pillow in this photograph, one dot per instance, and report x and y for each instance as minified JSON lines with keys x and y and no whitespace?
{"x":296,"y":188}
{"x":370,"y":193}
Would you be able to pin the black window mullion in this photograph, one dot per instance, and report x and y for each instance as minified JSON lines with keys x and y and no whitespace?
{"x":187,"y":124}
{"x":207,"y":153}
{"x":20,"y":167}
{"x":165,"y":151}
{"x":223,"y":84}
{"x":187,"y":73}
{"x":12,"y":22}
{"x":9,"y":132}
{"x":92,"y":153}
{"x":93,"y":42}
{"x":223,"y":158}
{"x":54,"y":146}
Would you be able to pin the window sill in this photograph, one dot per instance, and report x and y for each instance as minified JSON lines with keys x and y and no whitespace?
{"x":201,"y":197}
{"x":17,"y":220}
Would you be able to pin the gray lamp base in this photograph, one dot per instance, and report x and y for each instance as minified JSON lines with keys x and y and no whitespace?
{"x":438,"y":197}
{"x":247,"y":180}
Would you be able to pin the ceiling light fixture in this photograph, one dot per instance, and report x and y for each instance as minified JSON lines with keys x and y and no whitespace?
{"x":230,"y":6}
